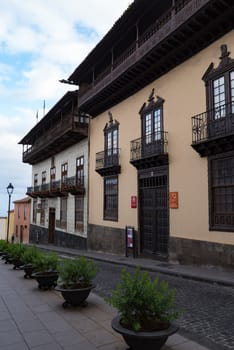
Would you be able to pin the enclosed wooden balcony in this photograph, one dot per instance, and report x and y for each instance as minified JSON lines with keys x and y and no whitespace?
{"x":150,"y":150}
{"x":61,"y":127}
{"x":57,"y":137}
{"x":107,"y":162}
{"x":136,"y":52}
{"x":213,"y":130}
{"x":74,"y":185}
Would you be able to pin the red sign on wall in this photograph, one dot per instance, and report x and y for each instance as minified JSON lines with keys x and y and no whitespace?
{"x":133,"y":201}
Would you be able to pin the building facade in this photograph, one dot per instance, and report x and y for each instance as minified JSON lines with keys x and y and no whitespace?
{"x":3,"y":227}
{"x":22,"y":219}
{"x":160,"y":90}
{"x":57,"y":149}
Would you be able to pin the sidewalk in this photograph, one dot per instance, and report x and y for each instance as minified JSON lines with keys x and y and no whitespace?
{"x":207,"y":274}
{"x":34,"y":319}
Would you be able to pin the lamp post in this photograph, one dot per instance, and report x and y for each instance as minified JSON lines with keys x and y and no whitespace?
{"x":10,"y":189}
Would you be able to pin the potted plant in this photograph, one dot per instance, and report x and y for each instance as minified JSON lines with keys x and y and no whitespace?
{"x":75,"y":280}
{"x":45,"y":266}
{"x":3,"y":246}
{"x":146,"y":309}
{"x":16,"y":252}
{"x":29,"y":254}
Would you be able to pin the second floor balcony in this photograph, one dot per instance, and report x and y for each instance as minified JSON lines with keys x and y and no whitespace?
{"x":213,"y":130}
{"x":107,"y":162}
{"x":149,"y":150}
{"x":73,"y":185}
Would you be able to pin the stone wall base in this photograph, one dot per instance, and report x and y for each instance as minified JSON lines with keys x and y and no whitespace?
{"x":39,"y":234}
{"x":193,"y":252}
{"x":106,"y":239}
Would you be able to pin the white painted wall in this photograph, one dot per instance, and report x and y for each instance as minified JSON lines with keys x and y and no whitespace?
{"x":68,"y":155}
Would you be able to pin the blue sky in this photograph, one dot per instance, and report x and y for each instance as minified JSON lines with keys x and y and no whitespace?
{"x":41,"y":41}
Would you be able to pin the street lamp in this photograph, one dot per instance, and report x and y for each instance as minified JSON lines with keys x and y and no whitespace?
{"x":10,"y":189}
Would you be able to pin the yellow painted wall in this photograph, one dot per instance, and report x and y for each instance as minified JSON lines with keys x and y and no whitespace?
{"x":184,"y":93}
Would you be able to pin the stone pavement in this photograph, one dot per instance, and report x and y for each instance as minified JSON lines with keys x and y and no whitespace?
{"x":34,"y":319}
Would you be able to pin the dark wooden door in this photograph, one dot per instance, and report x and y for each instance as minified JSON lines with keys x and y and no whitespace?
{"x":51,"y":228}
{"x":154,"y":214}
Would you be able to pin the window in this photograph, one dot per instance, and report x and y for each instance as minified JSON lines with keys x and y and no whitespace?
{"x":25,"y":212}
{"x":52,"y":174}
{"x":43,"y":207}
{"x":63,"y":213}
{"x":152,"y":132}
{"x":80,"y":170}
{"x":221,"y":169}
{"x":43,"y":178}
{"x":18,"y":211}
{"x":111,"y":198}
{"x":34,"y":218}
{"x":35,"y":179}
{"x":64,"y":168}
{"x":111,"y":134}
{"x":79,"y":213}
{"x":220,"y":87}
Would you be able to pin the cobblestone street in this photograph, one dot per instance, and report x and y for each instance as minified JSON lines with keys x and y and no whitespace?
{"x":209,"y":308}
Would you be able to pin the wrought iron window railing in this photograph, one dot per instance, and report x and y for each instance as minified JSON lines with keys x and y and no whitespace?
{"x":150,"y":145}
{"x":214,"y":123}
{"x":107,"y":158}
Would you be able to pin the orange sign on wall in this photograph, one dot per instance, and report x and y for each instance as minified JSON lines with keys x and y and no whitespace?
{"x":174,"y":200}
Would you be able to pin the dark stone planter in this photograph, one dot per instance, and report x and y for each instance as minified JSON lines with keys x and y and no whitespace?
{"x":46,"y":280}
{"x":75,"y":297}
{"x":17,"y":263}
{"x":143,"y":340}
{"x":28,"y":270}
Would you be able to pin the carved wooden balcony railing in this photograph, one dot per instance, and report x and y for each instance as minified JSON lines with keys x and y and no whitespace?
{"x":107,"y":162}
{"x":70,"y":129}
{"x":149,"y":150}
{"x":74,"y":185}
{"x":213,"y":130}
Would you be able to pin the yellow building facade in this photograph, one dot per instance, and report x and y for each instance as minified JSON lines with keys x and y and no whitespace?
{"x":160,"y":102}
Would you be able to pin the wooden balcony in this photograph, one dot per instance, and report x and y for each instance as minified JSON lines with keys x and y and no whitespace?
{"x":149,"y":151}
{"x":213,"y":131}
{"x":74,"y":185}
{"x":107,"y":162}
{"x":176,"y":35}
{"x":69,"y":130}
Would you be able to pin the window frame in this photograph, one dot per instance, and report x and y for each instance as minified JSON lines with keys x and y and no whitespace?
{"x":110,"y":213}
{"x":79,"y":212}
{"x":222,"y":189}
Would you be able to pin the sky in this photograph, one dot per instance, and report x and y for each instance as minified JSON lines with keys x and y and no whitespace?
{"x":41,"y":42}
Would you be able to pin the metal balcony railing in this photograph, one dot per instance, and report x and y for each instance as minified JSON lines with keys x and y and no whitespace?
{"x":154,"y":144}
{"x":107,"y":158}
{"x":214,"y":123}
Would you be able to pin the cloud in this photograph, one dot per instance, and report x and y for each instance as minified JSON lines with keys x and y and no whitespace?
{"x":40,"y":43}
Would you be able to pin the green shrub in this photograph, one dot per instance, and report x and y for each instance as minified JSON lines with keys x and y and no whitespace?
{"x":144,"y":304}
{"x":16,"y":250}
{"x":29,"y":254}
{"x":76,"y":273}
{"x":3,"y":245}
{"x":45,"y":262}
